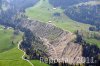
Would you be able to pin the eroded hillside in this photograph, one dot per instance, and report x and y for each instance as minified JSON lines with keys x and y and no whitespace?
{"x":53,"y":41}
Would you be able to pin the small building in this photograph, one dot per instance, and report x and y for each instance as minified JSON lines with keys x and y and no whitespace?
{"x":54,"y":8}
{"x":49,"y":21}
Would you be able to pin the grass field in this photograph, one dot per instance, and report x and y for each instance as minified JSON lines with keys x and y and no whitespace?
{"x":9,"y":54}
{"x":38,"y":63}
{"x":8,"y":39}
{"x":43,"y":12}
{"x":93,"y":42}
{"x":13,"y":58}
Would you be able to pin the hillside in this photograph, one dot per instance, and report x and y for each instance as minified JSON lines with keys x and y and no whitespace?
{"x":46,"y":13}
{"x":50,"y":31}
{"x":86,"y":14}
{"x":66,"y":3}
{"x":49,"y":40}
{"x":10,"y":55}
{"x":84,"y":11}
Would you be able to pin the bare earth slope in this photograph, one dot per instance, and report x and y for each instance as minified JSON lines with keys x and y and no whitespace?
{"x":56,"y":42}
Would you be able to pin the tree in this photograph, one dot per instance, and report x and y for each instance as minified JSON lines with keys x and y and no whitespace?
{"x":92,"y":28}
{"x":79,"y":38}
{"x":56,"y":14}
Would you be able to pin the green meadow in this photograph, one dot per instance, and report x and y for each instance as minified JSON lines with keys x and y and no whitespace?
{"x":10,"y":55}
{"x":43,"y":12}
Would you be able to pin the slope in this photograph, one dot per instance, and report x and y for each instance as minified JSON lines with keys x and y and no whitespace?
{"x":10,"y":55}
{"x":44,"y":12}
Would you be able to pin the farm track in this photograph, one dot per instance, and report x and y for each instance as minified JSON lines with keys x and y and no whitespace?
{"x":24,"y":54}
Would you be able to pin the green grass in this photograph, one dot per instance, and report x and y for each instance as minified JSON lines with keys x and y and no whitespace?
{"x":10,"y":55}
{"x":43,"y":12}
{"x":12,"y":58}
{"x":38,"y":63}
{"x":89,"y":37}
{"x":93,"y":42}
{"x":14,"y":63}
{"x":5,"y":39}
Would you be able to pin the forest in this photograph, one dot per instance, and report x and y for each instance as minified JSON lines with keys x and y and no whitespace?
{"x":85,"y":13}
